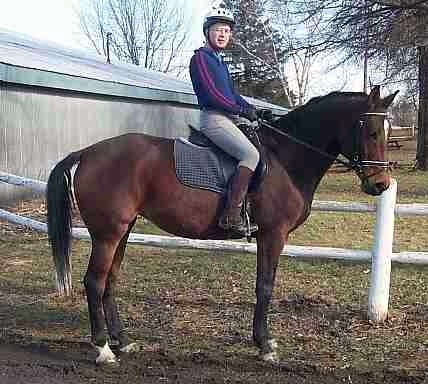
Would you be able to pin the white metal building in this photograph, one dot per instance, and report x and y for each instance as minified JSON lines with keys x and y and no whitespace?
{"x":54,"y":100}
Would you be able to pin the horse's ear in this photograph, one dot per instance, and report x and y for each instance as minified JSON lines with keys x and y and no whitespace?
{"x":374,"y":95}
{"x":386,"y":102}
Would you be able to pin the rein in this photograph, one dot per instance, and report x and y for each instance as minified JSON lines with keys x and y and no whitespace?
{"x":355,"y":163}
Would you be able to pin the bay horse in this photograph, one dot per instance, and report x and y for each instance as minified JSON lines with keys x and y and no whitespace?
{"x":133,"y":174}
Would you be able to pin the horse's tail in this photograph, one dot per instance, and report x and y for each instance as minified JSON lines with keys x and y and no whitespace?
{"x":59,"y":197}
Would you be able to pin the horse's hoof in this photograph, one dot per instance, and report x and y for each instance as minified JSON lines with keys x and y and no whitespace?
{"x":273,"y":344}
{"x":130,"y":348}
{"x":271,"y":357}
{"x":106,"y":356}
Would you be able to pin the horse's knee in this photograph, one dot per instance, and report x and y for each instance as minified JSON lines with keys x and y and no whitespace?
{"x":94,"y":285}
{"x":110,"y":286}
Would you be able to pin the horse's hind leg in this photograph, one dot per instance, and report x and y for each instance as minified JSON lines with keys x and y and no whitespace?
{"x":114,"y":323}
{"x":100,"y":263}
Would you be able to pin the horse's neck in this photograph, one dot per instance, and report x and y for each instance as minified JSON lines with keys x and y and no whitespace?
{"x":305,"y":167}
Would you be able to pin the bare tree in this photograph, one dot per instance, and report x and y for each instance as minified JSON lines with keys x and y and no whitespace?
{"x":391,"y":33}
{"x":151,"y":33}
{"x":292,"y":30}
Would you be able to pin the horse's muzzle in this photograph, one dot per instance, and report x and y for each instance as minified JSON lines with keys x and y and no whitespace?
{"x":375,"y":187}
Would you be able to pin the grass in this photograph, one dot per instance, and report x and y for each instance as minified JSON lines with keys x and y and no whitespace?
{"x":195,"y":307}
{"x":188,"y":302}
{"x":345,"y":187}
{"x":355,"y":230}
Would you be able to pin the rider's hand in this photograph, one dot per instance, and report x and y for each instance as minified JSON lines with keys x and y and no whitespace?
{"x":264,"y":114}
{"x":251,"y":114}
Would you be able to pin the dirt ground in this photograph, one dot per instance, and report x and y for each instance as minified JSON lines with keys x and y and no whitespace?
{"x":52,"y":365}
{"x":23,"y":362}
{"x":26,"y":359}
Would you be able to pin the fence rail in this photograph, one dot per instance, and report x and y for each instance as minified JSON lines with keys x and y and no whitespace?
{"x":381,"y":254}
{"x":318,"y":205}
{"x":225,"y":245}
{"x":397,"y":134}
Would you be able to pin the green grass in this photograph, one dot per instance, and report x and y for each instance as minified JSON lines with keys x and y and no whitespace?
{"x":187,"y":301}
{"x":412,"y":187}
{"x":182,"y":302}
{"x":355,"y":230}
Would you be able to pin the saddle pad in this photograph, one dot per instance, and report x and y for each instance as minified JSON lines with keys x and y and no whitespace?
{"x":202,"y":167}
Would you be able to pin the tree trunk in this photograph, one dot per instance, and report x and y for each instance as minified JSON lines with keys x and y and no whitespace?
{"x":422,"y":149}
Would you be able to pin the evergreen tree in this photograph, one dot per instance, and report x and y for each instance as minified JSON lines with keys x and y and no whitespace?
{"x":256,"y":55}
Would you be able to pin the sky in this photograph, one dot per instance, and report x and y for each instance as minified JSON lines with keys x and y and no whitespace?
{"x":56,"y":21}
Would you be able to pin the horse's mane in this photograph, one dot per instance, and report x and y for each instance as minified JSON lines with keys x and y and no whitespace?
{"x":292,"y":120}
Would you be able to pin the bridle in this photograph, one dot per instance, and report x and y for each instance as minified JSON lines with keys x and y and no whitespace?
{"x":357,"y":155}
{"x":355,"y":161}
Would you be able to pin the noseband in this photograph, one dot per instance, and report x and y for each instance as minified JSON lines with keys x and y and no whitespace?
{"x":356,"y":163}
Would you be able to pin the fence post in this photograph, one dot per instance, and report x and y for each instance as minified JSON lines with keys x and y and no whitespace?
{"x":381,"y":255}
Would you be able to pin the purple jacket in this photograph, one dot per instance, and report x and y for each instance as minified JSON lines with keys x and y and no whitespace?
{"x":213,"y":85}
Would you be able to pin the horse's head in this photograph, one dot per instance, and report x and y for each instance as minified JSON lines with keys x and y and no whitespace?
{"x":366,"y":147}
{"x":347,"y":123}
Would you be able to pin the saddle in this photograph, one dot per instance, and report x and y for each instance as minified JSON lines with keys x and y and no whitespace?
{"x":199,"y":163}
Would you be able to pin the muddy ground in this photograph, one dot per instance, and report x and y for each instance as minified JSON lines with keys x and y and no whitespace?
{"x":32,"y":351}
{"x":199,"y":331}
{"x":50,"y":363}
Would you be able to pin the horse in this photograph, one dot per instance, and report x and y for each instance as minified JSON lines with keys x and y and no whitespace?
{"x":119,"y":178}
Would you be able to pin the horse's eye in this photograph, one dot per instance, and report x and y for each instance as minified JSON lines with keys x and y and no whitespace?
{"x":373,"y":135}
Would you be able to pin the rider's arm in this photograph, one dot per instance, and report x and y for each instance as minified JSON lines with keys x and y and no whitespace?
{"x":205,"y":87}
{"x":245,"y":105}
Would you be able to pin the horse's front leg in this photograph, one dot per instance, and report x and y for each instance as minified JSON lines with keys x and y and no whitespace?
{"x":269,"y":247}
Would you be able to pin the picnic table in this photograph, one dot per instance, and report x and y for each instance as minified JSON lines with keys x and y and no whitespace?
{"x":396,"y":135}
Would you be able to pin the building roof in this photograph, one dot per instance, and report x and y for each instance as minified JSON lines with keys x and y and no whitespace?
{"x":29,"y":61}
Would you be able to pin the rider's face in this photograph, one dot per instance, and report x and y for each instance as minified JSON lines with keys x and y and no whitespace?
{"x":219,"y":35}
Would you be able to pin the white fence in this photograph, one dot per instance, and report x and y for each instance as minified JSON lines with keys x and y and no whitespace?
{"x":381,"y":254}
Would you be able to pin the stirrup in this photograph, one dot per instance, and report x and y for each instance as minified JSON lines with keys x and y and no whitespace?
{"x":244,"y":228}
{"x":249,"y":226}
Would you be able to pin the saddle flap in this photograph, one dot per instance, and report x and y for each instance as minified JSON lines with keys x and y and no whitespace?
{"x":199,"y":163}
{"x":202,"y":167}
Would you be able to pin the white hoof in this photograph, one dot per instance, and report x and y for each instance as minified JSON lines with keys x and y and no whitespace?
{"x":130,"y":348}
{"x":270,"y":357}
{"x":273,"y":344}
{"x":105,"y":355}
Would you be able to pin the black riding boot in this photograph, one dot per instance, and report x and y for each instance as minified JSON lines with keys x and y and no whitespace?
{"x":231,"y":219}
